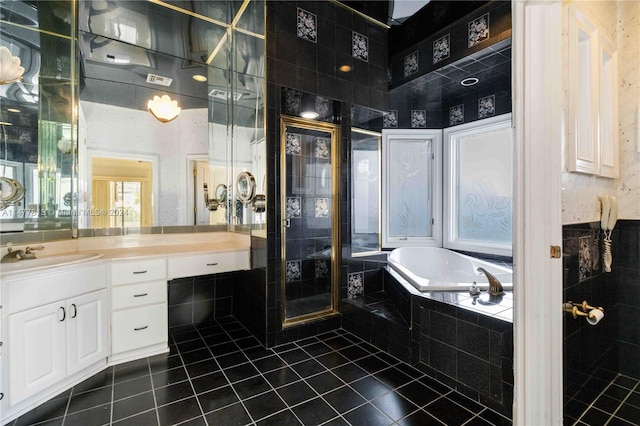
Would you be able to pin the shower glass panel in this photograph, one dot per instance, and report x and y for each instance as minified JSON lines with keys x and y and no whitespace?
{"x":310,"y":215}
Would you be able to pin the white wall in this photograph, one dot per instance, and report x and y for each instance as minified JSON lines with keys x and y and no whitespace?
{"x":124,"y":130}
{"x":619,"y":21}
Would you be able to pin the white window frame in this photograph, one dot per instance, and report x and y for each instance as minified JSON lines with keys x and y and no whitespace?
{"x":450,"y":232}
{"x":435,"y":137}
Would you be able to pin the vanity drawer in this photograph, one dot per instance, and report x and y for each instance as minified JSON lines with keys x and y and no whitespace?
{"x":138,"y":271}
{"x":136,"y":328}
{"x":130,"y":296}
{"x":207,"y":263}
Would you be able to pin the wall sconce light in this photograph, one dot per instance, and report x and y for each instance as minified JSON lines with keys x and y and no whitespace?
{"x":163,"y":108}
{"x":10,"y":69}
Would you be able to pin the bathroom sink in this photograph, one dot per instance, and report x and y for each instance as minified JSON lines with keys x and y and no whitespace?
{"x":27,"y":265}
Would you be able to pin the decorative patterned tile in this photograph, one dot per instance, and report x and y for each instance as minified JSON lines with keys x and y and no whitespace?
{"x":441,"y":48}
{"x":487,"y":106}
{"x":294,"y":271}
{"x":322,"y":148}
{"x":411,"y":64}
{"x":322,"y":107}
{"x":418,"y":119}
{"x":360,"y":47}
{"x":390,"y":119}
{"x":294,"y":146}
{"x":456,"y":115}
{"x":355,"y":285}
{"x":293,"y":101}
{"x":307,"y":25}
{"x":322,"y":268}
{"x":479,"y":30}
{"x":584,"y":258}
{"x":322,"y":207}
{"x":293,"y":207}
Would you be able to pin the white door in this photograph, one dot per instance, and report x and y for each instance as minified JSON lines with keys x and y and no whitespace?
{"x":87,"y":340}
{"x":37,"y":350}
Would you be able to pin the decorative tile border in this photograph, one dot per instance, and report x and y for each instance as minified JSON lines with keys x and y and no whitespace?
{"x":355,"y":285}
{"x":411,"y":64}
{"x":390,"y":119}
{"x":456,"y":115}
{"x":487,"y":106}
{"x":322,"y":207}
{"x":322,"y":148}
{"x":360,"y":47}
{"x":294,"y":145}
{"x":293,"y":271}
{"x":584,"y":258}
{"x":441,"y":48}
{"x":307,"y":25}
{"x":322,"y":268}
{"x":479,"y":30}
{"x":418,"y":119}
{"x":293,"y":207}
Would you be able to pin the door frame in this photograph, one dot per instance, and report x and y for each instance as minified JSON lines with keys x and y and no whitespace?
{"x":334,"y":131}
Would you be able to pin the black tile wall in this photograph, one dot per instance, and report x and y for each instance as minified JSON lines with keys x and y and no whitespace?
{"x":594,"y":355}
{"x":199,"y":299}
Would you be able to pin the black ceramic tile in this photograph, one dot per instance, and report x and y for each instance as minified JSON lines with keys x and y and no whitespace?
{"x":168,"y":377}
{"x":164,"y":362}
{"x":147,"y":418}
{"x":231,"y":415}
{"x":344,"y":399}
{"x":172,"y":393}
{"x":448,"y":411}
{"x":200,"y":368}
{"x":251,"y":387}
{"x":296,"y":393}
{"x":394,"y":405}
{"x":89,"y":399}
{"x":209,"y":382}
{"x":314,"y":412}
{"x":240,"y":372}
{"x":264,"y":405}
{"x":419,"y":418}
{"x":349,"y":372}
{"x":269,"y":363}
{"x":99,"y":380}
{"x":308,"y":368}
{"x":418,"y":393}
{"x":133,"y":405}
{"x":324,"y":382}
{"x":218,"y":398}
{"x":50,"y":410}
{"x":281,"y":377}
{"x":178,"y":412}
{"x":99,"y":415}
{"x":367,"y":415}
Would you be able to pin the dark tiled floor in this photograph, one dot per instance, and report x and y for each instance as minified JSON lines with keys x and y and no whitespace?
{"x":218,"y":374}
{"x":617,"y":405}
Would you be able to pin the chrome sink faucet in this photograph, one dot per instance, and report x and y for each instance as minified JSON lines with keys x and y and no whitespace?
{"x":29,"y":252}
{"x":495,"y":287}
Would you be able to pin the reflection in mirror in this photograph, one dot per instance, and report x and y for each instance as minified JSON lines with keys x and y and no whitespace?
{"x":37,"y":135}
{"x":365,"y":190}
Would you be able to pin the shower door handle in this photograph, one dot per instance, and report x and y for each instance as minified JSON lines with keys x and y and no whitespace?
{"x":287,"y":223}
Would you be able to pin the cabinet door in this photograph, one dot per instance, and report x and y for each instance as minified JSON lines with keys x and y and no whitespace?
{"x":87,"y":340}
{"x":36,"y":350}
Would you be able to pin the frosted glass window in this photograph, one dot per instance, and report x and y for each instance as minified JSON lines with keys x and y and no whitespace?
{"x":479,"y":186}
{"x":411,"y":188}
{"x":410,"y":198}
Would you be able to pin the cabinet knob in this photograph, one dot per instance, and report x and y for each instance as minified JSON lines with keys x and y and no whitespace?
{"x":1,"y":395}
{"x":64,"y":313}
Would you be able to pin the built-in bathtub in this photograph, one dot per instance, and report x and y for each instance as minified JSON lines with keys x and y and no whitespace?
{"x":438,"y":269}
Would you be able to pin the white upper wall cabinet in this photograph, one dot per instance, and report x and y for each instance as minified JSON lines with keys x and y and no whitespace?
{"x":592,"y":145}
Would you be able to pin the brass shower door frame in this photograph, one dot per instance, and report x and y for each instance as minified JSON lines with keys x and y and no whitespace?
{"x":334,"y":130}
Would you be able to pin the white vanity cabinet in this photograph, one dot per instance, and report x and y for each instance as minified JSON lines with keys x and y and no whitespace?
{"x":192,"y":265}
{"x":56,"y":327}
{"x":139,"y":311}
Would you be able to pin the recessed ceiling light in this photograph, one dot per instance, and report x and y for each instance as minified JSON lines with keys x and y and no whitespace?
{"x":345,"y":68}
{"x":469,"y":81}
{"x":309,"y":114}
{"x":13,"y":110}
{"x":199,"y":77}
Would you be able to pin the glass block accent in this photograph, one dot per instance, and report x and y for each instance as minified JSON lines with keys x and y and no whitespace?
{"x":355,"y":285}
{"x":390,"y":119}
{"x":411,"y":64}
{"x":294,"y":146}
{"x":584,"y":258}
{"x":293,"y":101}
{"x":418,"y":119}
{"x":479,"y":30}
{"x":487,"y":106}
{"x":322,"y":268}
{"x":322,"y":148}
{"x":322,"y":207}
{"x":360,"y":47}
{"x":293,"y":209}
{"x":441,"y":48}
{"x":307,"y":25}
{"x":293,"y":271}
{"x":456,"y":115}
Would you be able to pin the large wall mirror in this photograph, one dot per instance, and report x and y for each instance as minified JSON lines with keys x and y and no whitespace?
{"x":147,"y":173}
